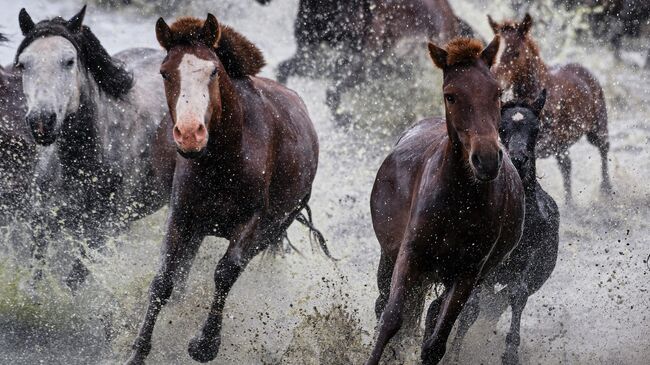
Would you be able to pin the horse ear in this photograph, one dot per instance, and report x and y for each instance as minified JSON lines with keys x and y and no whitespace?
{"x":494,"y":25}
{"x":163,"y":34}
{"x":211,"y":31}
{"x":438,"y":55}
{"x":75,"y":23}
{"x":25,"y":21}
{"x":526,"y":24}
{"x":490,"y":52}
{"x":538,"y":104}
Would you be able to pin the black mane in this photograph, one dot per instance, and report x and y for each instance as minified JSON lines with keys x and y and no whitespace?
{"x":111,"y":76}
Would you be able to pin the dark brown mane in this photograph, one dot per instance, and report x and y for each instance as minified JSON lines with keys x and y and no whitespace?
{"x":239,"y":56}
{"x":463,"y":50}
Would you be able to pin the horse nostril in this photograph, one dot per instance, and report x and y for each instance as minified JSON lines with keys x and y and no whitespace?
{"x":500,"y":155}
{"x":177,"y":133}
{"x":201,"y":132}
{"x":476,"y":161}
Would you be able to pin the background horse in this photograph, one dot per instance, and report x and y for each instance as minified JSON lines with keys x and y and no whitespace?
{"x":447,"y":205}
{"x":17,"y":149}
{"x":531,"y":263}
{"x":363,"y":31}
{"x":248,"y":154}
{"x":110,"y":163}
{"x":575,"y":106}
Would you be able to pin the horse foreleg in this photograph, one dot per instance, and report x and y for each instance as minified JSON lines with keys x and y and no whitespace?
{"x":392,"y":316}
{"x":564,"y":160}
{"x":177,"y":243}
{"x":246,"y":244}
{"x":467,"y":318}
{"x":518,"y":300}
{"x":449,"y":307}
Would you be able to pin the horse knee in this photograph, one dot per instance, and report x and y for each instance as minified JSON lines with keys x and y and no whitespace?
{"x":161,"y":288}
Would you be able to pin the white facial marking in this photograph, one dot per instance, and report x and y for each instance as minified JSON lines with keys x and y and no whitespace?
{"x":194,"y":95}
{"x":518,"y":117}
{"x":51,"y":77}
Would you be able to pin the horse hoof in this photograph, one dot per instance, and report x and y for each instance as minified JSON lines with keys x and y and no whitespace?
{"x":510,"y":358}
{"x":202,"y":349}
{"x":606,"y":188}
{"x":135,"y":359}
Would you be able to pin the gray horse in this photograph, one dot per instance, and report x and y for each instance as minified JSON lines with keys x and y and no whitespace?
{"x":109,"y":160}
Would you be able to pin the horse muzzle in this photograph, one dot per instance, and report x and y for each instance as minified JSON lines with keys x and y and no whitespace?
{"x":191,"y":139}
{"x":486,"y":166}
{"x":43,"y":127}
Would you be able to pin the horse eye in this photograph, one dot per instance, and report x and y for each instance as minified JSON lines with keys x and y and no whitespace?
{"x":164,"y":75}
{"x":214,"y":73}
{"x":451,"y":99}
{"x":20,"y":66}
{"x":69,"y":63}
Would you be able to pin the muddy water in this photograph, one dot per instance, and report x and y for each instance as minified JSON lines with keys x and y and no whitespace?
{"x":305,"y":309}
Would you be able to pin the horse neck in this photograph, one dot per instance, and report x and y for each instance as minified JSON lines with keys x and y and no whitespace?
{"x":79,"y":146}
{"x":226,"y":139}
{"x":533,"y":75}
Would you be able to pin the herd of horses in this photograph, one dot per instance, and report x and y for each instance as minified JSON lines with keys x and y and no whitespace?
{"x":90,"y":142}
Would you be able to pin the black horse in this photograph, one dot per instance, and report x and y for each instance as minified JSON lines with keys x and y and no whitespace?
{"x":531,"y":263}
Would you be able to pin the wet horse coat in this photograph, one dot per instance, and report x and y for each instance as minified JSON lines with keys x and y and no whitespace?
{"x":248,"y":154}
{"x":447,"y":205}
{"x":109,"y":161}
{"x":576,"y":104}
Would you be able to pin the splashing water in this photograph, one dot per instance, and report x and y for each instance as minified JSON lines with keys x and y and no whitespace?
{"x":595,"y":308}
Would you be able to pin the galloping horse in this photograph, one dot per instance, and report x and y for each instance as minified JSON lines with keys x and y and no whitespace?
{"x":447,"y":205}
{"x":575,"y":105}
{"x":111,"y":163}
{"x":531,"y":263}
{"x":17,"y":149}
{"x":363,"y":30}
{"x":248,"y":154}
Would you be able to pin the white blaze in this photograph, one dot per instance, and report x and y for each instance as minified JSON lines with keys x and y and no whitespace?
{"x":194,"y":95}
{"x":518,"y":117}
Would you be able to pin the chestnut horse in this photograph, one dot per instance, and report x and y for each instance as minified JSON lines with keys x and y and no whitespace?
{"x":447,"y":205}
{"x":17,"y":148}
{"x":531,"y":263}
{"x":363,"y":30}
{"x":575,"y":105}
{"x":248,"y":154}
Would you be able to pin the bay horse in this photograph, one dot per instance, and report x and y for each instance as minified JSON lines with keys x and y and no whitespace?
{"x":447,"y":204}
{"x":363,"y":30}
{"x":247,"y":157}
{"x":109,"y":161}
{"x":575,"y":106}
{"x":531,"y":263}
{"x":17,"y":148}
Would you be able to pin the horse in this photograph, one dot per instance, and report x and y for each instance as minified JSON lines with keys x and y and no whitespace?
{"x":247,"y":157}
{"x":363,"y":30}
{"x":531,"y":263}
{"x":109,"y":161}
{"x":17,"y":148}
{"x":575,"y":106}
{"x":447,"y":204}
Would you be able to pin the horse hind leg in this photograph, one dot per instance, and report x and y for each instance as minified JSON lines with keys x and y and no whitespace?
{"x":384,"y":273}
{"x":564,"y":160}
{"x":600,"y":141}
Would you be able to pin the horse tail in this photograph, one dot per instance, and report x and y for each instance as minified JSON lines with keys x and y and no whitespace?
{"x":314,"y":233}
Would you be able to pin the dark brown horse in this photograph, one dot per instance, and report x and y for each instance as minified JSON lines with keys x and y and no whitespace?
{"x":531,"y":263}
{"x":447,"y":205}
{"x":17,"y":148}
{"x":248,"y":154}
{"x":575,"y":105}
{"x":364,"y":30}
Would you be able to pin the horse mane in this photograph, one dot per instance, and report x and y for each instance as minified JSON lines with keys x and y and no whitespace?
{"x":463,"y":50}
{"x":110,"y":74}
{"x":239,"y":56}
